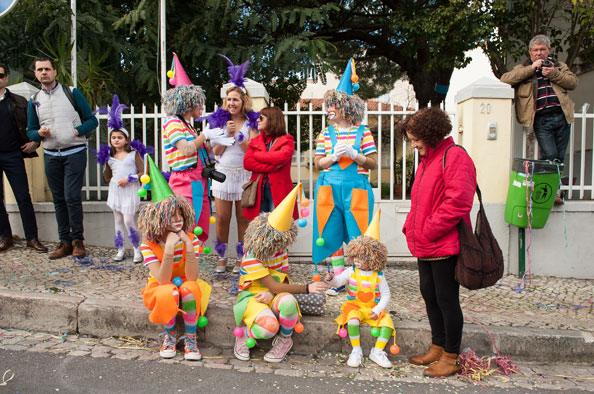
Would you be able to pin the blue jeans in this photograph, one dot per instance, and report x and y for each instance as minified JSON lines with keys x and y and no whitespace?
{"x":65,"y":175}
{"x":13,"y":165}
{"x":552,"y":133}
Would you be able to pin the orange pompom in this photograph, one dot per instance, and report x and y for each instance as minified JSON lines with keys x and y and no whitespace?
{"x":355,"y":78}
{"x":316,"y":277}
{"x":394,"y":349}
{"x":299,"y":328}
{"x":201,"y":249}
{"x":305,"y":202}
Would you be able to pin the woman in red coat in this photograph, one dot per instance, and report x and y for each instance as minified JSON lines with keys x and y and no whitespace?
{"x":440,"y":198}
{"x":269,"y":155}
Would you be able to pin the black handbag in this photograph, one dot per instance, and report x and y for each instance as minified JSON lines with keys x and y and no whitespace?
{"x":480,"y":262}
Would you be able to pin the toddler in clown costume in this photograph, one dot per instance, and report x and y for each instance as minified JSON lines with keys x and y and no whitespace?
{"x":368,"y":295}
{"x":123,"y":166}
{"x":266,"y":303}
{"x":345,"y":153}
{"x":170,"y":251}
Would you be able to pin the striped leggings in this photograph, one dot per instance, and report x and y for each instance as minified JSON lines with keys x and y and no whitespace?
{"x":283,"y":314}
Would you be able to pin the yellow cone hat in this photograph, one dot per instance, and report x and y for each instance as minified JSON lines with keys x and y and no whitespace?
{"x":373,"y":230}
{"x":282,"y":216}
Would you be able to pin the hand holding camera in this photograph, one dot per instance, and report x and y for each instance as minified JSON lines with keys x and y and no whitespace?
{"x":209,"y":172}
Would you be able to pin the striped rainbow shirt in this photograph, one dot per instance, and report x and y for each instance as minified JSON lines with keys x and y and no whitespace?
{"x":256,"y":269}
{"x":367,"y":146}
{"x":366,"y":283}
{"x":149,"y":255}
{"x":174,"y":130}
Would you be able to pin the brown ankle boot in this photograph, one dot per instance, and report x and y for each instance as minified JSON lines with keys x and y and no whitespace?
{"x":79,"y":249}
{"x":448,"y":364}
{"x":65,"y":249}
{"x":425,"y":359}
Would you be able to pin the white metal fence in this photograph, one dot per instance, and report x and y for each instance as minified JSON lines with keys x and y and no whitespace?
{"x":578,"y":172}
{"x":146,"y":126}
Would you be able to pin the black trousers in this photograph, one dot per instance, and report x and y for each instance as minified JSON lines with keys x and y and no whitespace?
{"x":13,"y":165}
{"x":441,"y":294}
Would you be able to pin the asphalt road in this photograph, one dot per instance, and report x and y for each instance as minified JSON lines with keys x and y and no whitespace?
{"x":42,"y":372}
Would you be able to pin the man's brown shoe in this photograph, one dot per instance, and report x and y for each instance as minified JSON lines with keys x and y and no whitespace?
{"x":38,"y":246}
{"x":78,"y":249}
{"x":65,"y":249}
{"x":6,"y":243}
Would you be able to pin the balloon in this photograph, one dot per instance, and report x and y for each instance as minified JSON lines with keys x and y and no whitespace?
{"x":212,"y":219}
{"x":145,"y":179}
{"x":304,"y":212}
{"x":355,"y":87}
{"x":298,"y":328}
{"x":197,"y":230}
{"x":342,"y":333}
{"x":355,"y":78}
{"x":172,"y":81}
{"x":394,"y":349}
{"x":375,"y":332}
{"x":305,"y":202}
{"x":202,"y":321}
{"x":206,"y":250}
{"x":320,"y":241}
{"x":170,"y":74}
{"x":250,"y":342}
{"x":177,"y":281}
{"x":316,"y":277}
{"x":142,"y":192}
{"x":302,"y":222}
{"x":238,"y":332}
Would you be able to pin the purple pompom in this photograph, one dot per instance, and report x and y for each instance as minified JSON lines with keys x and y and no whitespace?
{"x":217,"y":119}
{"x":103,"y":155}
{"x":119,"y":240}
{"x":239,"y":250}
{"x":253,"y":119}
{"x":139,"y":147}
{"x":166,"y":175}
{"x":132,"y":177}
{"x":220,"y":248}
{"x":134,"y":236}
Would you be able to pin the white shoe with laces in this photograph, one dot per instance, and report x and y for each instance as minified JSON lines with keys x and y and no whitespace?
{"x":380,"y":357}
{"x":191,"y":348}
{"x":137,"y":256}
{"x":280,"y":348}
{"x":355,"y":358}
{"x":120,"y":255}
{"x":169,"y":344}
{"x":221,"y":268}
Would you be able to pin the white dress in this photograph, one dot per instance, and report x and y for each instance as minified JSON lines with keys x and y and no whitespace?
{"x":123,"y":199}
{"x":231,"y":164}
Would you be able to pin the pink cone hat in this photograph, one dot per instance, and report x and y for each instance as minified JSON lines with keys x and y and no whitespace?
{"x":179,"y":75}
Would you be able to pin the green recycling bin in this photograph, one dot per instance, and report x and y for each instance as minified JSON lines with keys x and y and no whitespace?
{"x":545,"y":177}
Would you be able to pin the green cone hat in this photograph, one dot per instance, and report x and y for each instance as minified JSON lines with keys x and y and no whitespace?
{"x":160,"y":189}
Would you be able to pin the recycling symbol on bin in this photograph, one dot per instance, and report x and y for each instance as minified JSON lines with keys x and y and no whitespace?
{"x":542,"y":193}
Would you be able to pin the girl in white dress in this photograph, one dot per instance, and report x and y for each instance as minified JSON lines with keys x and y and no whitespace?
{"x":123,"y":167}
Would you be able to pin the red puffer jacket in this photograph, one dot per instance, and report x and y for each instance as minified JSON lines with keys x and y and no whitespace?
{"x":439,"y":200}
{"x":276,"y":163}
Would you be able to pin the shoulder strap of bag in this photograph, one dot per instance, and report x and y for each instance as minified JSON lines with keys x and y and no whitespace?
{"x":478,"y":190}
{"x":70,"y":96}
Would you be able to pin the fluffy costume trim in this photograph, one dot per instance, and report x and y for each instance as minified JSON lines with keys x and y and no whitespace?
{"x":368,"y":249}
{"x":217,"y":119}
{"x":102,"y":156}
{"x":352,"y":106}
{"x":179,"y":100}
{"x":253,"y":119}
{"x":239,"y":250}
{"x":166,"y":175}
{"x":220,"y":248}
{"x":154,"y":218}
{"x":115,"y":115}
{"x":119,"y":240}
{"x":236,"y":73}
{"x":134,"y":237}
{"x":263,"y":240}
{"x":139,"y":147}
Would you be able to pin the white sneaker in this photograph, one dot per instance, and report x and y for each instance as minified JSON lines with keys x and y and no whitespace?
{"x":120,"y":256}
{"x":380,"y":357}
{"x":236,"y":268}
{"x":355,"y":358}
{"x":137,"y":256}
{"x":221,"y":268}
{"x":334,"y":291}
{"x":169,"y":344}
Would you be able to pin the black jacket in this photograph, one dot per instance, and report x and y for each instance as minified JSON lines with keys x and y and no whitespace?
{"x":17,"y":106}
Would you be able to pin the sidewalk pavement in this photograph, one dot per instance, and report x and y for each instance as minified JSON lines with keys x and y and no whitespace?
{"x":545,"y":320}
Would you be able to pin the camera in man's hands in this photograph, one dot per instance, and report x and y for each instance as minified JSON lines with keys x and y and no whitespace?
{"x":210,"y":172}
{"x":548,"y":62}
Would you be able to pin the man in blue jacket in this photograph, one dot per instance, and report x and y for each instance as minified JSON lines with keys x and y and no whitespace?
{"x":60,"y":117}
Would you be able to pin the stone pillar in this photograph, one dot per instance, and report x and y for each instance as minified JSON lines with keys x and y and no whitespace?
{"x":35,"y":168}
{"x":256,"y":90}
{"x":484,"y":127}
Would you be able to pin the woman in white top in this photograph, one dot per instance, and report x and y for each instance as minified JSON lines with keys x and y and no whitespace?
{"x":237,"y":120}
